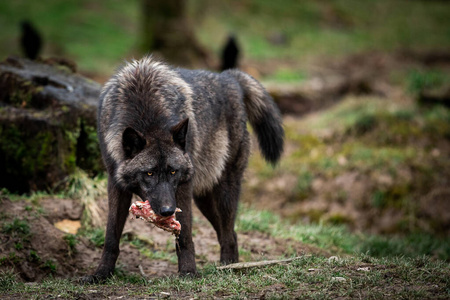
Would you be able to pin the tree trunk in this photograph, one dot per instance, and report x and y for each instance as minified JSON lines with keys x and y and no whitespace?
{"x":167,"y":32}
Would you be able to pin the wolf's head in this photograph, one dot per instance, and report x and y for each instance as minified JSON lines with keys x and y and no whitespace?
{"x":155,"y":164}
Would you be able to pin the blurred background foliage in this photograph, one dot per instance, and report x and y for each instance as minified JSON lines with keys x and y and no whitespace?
{"x":99,"y":35}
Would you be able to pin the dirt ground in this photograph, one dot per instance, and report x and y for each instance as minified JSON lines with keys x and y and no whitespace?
{"x":45,"y":251}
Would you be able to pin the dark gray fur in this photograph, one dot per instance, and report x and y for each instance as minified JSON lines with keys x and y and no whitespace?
{"x":156,"y":119}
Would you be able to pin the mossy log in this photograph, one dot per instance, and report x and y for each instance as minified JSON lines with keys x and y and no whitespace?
{"x":47,"y":124}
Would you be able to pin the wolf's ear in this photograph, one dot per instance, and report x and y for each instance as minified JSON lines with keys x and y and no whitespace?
{"x":132,"y":142}
{"x":179,"y":132}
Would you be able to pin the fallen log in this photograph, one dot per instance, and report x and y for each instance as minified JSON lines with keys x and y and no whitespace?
{"x":47,"y":124}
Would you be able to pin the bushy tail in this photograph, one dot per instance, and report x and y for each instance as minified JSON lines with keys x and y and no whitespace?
{"x":263,"y":114}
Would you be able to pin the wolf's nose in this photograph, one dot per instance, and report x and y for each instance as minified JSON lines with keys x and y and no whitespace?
{"x":167,"y":211}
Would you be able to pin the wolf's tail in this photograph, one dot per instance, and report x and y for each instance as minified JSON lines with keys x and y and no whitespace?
{"x":264,"y":116}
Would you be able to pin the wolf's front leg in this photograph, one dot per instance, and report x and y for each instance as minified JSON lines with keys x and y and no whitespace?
{"x":119,"y":203}
{"x":184,"y":243}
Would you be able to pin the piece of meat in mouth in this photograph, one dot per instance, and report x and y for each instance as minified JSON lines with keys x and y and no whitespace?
{"x":143,"y":210}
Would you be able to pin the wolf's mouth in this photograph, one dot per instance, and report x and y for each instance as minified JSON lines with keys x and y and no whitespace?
{"x":143,"y":210}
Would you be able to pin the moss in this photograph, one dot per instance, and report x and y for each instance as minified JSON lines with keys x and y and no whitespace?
{"x":19,"y":92}
{"x":38,"y":154}
{"x":364,"y":123}
{"x":88,"y":155}
{"x":71,"y":136}
{"x":21,"y":97}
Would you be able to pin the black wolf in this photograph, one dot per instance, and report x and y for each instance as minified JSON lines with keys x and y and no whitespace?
{"x":172,"y":135}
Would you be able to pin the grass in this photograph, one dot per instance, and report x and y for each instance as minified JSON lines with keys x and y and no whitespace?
{"x":308,"y":277}
{"x":71,"y":241}
{"x":17,"y":228}
{"x":420,"y":80}
{"x":340,"y":240}
{"x":95,"y":235}
{"x":147,"y":249}
{"x":87,"y":189}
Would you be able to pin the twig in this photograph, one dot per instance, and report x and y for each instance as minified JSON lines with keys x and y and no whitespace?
{"x":142,"y":271}
{"x":255,"y":264}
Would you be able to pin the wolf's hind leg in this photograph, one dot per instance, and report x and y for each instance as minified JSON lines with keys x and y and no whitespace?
{"x":220,"y":207}
{"x":226,"y":198}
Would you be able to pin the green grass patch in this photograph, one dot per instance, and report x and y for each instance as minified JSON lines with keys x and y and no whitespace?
{"x":146,"y":248}
{"x":287,"y":75}
{"x":8,"y":280}
{"x":95,"y":235}
{"x":71,"y":241}
{"x":338,"y":238}
{"x":420,"y":80}
{"x":307,"y":277}
{"x":17,"y":228}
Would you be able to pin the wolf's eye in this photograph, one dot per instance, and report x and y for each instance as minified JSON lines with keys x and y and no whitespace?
{"x":173,"y":172}
{"x":150,"y":173}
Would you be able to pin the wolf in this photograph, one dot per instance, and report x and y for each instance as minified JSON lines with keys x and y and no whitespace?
{"x":170,"y":135}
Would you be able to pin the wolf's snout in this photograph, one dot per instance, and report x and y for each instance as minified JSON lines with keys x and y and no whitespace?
{"x":167,"y":211}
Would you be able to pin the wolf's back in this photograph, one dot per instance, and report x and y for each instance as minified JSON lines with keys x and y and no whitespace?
{"x":263,"y":114}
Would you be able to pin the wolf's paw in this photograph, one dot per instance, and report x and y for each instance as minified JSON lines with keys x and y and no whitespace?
{"x":192,"y":274}
{"x":92,"y":279}
{"x":188,"y":272}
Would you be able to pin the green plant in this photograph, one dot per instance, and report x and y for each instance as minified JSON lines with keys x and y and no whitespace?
{"x":8,"y":280}
{"x":71,"y":241}
{"x":96,"y":236}
{"x":379,"y":199}
{"x":33,"y":256}
{"x":50,"y":264}
{"x":18,"y":246}
{"x":418,"y":81}
{"x":303,"y":188}
{"x":88,"y":190}
{"x":18,"y":227}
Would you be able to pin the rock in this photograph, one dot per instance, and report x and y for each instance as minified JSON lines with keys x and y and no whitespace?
{"x":68,"y":226}
{"x":333,"y":259}
{"x":338,"y":279}
{"x":47,"y":124}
